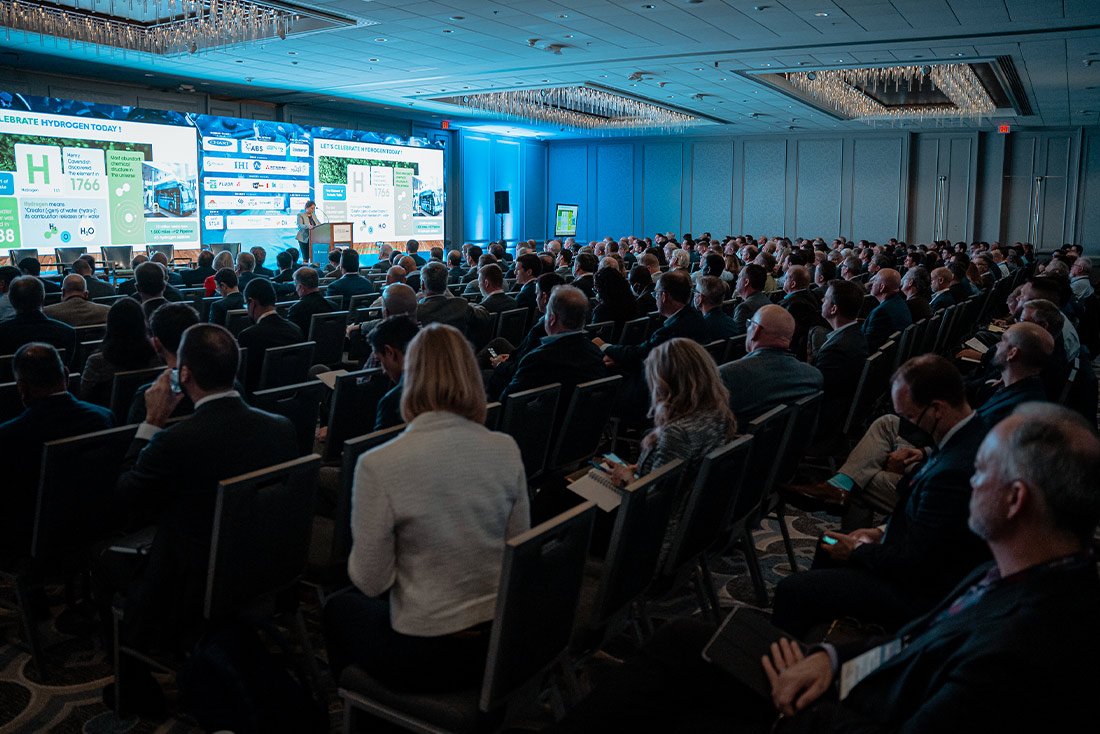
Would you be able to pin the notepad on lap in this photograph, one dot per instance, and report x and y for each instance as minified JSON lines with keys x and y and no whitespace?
{"x":597,"y":487}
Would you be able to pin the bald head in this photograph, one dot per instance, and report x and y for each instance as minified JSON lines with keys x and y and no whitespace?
{"x":398,"y":299}
{"x":774,"y":330}
{"x":798,"y":278}
{"x":1028,"y":344}
{"x":886,"y":283}
{"x":74,"y":285}
{"x":396,"y":274}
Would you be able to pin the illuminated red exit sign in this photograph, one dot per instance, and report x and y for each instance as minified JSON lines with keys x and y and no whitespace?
{"x":1004,"y":129}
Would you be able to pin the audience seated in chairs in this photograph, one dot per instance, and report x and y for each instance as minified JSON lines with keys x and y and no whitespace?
{"x":839,"y":354}
{"x":170,"y":479}
{"x":268,"y":329}
{"x":30,"y":323}
{"x":803,"y":305}
{"x":84,"y":266}
{"x":389,"y":341}
{"x":310,"y":300}
{"x":204,"y":268}
{"x":168,"y":324}
{"x":889,"y":576}
{"x":768,"y":375}
{"x":750,"y":287}
{"x":615,"y":300}
{"x":961,"y":667}
{"x":75,"y":309}
{"x":350,"y":283}
{"x":7,"y":275}
{"x":397,"y":299}
{"x":222,"y":261}
{"x":231,"y":297}
{"x":426,"y":555}
{"x":710,"y":292}
{"x":246,"y":265}
{"x":916,"y":289}
{"x":493,"y":297}
{"x":125,"y":347}
{"x":438,"y":306}
{"x":528,"y":269}
{"x":891,"y":314}
{"x":31,"y":267}
{"x":51,"y":413}
{"x":508,"y":356}
{"x":642,"y":285}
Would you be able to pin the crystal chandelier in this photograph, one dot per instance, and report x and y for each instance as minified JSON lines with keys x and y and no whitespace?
{"x":851,"y":92}
{"x":581,"y":108}
{"x":150,"y":26}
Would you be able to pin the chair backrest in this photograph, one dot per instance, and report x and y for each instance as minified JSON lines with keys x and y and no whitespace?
{"x":540,"y":585}
{"x":11,"y":404}
{"x":800,"y":435}
{"x":74,"y":492}
{"x":117,"y":257}
{"x":769,"y":432}
{"x":336,"y":301}
{"x":123,"y":387}
{"x":717,"y":350}
{"x":931,"y":330}
{"x":169,"y":251}
{"x":868,"y":390}
{"x":1071,"y":377}
{"x":512,"y":325}
{"x":22,"y":252}
{"x":67,"y":255}
{"x":286,"y":365}
{"x":736,"y":348}
{"x":204,"y":307}
{"x":710,"y":501}
{"x":81,"y":353}
{"x":237,"y":320}
{"x":641,"y":523}
{"x":300,"y":404}
{"x":108,"y":300}
{"x":890,"y":348}
{"x":529,"y":418}
{"x":341,"y":514}
{"x":492,"y":415}
{"x":90,"y":333}
{"x":328,"y":330}
{"x":260,"y":539}
{"x":585,"y":418}
{"x":358,"y":304}
{"x":603,"y":329}
{"x":943,"y":334}
{"x":905,"y":343}
{"x":635,"y":330}
{"x":354,"y":405}
{"x":233,"y":248}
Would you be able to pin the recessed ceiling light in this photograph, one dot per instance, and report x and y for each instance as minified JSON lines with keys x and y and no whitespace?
{"x":633,"y":85}
{"x":239,"y":61}
{"x":918,"y":56}
{"x":698,"y":68}
{"x":458,"y":17}
{"x":568,"y":35}
{"x":380,"y":40}
{"x":722,"y":79}
{"x":603,"y":76}
{"x":648,"y":7}
{"x":205,"y":84}
{"x":959,"y":54}
{"x":563,"y":16}
{"x":822,"y":15}
{"x":447,"y":30}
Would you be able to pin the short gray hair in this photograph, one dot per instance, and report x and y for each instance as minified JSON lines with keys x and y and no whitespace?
{"x":569,"y":305}
{"x":306,"y":277}
{"x":1046,"y":314}
{"x":433,"y":278}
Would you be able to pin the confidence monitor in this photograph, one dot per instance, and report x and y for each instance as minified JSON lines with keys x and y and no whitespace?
{"x":565,"y":220}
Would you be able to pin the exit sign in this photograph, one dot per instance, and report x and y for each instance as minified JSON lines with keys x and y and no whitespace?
{"x":1004,"y":129}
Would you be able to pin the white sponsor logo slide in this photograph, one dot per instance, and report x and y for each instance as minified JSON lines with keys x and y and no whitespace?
{"x":260,"y":221}
{"x":299,"y":150}
{"x":214,"y":221}
{"x":258,"y":185}
{"x":220,"y":145}
{"x":263,"y":147}
{"x":244,"y":202}
{"x":234,"y":165}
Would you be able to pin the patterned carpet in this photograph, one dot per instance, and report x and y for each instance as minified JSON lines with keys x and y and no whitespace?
{"x":69,"y":701}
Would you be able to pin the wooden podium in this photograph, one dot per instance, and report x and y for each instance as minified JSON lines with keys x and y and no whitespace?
{"x":324,"y":237}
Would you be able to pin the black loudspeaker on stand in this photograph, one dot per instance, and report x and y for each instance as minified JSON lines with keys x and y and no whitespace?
{"x":500,"y":208}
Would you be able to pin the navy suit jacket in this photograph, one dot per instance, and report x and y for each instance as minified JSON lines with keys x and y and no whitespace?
{"x":717,"y":325}
{"x":301,"y":313}
{"x":570,"y":359}
{"x":1000,"y":404}
{"x":526,"y":296}
{"x":272,"y":331}
{"x":219,"y":310}
{"x":388,"y":412}
{"x":806,"y":310}
{"x":687,"y":323}
{"x":54,"y":417}
{"x":840,"y":360}
{"x":350,"y":284}
{"x":889,"y":316}
{"x":36,"y":326}
{"x":942,"y":300}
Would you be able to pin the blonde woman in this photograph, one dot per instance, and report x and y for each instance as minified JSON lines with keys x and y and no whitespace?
{"x":223,"y":259}
{"x":689,"y":406}
{"x":431,"y":511}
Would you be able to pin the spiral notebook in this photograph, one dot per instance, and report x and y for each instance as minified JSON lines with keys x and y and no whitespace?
{"x":597,"y":487}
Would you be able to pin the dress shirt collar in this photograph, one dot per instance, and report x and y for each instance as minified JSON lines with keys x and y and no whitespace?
{"x":955,"y":429}
{"x":264,"y":316}
{"x":216,"y":396}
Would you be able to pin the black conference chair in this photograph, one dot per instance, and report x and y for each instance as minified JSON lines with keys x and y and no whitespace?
{"x":11,"y":404}
{"x":585,"y":419}
{"x":328,"y":331}
{"x":20,"y":253}
{"x":90,"y":333}
{"x":492,"y":415}
{"x":529,"y":419}
{"x":81,"y":353}
{"x":540,"y":584}
{"x":512,"y":325}
{"x":125,"y":385}
{"x":603,"y":330}
{"x":233,"y":248}
{"x":237,"y":320}
{"x":298,"y":403}
{"x":354,"y":404}
{"x":803,"y":427}
{"x":286,"y":365}
{"x":635,"y":331}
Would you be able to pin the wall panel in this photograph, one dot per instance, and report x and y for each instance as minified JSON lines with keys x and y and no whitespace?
{"x":567,"y":183}
{"x":817,"y":186}
{"x":877,"y":169}
{"x":614,"y":210}
{"x":534,"y":191}
{"x":711,"y":188}
{"x":477,"y":177}
{"x":506,"y":177}
{"x":662,"y":167}
{"x":763,"y":205}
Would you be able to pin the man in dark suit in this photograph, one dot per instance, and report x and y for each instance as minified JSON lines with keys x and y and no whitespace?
{"x":455,"y":271}
{"x":351,"y":283}
{"x":750,"y":287}
{"x":493,"y":297}
{"x":268,"y":329}
{"x":681,"y":320}
{"x":30,"y":266}
{"x":1021,"y":355}
{"x":565,"y":354}
{"x":260,"y":255}
{"x":149,"y":282}
{"x":803,"y":305}
{"x":841,"y":354}
{"x":227,"y":285}
{"x":194,"y":277}
{"x":285,"y":261}
{"x":510,"y":355}
{"x":310,"y":300}
{"x":584,"y":272}
{"x":51,"y":413}
{"x":438,"y":305}
{"x":412,"y":247}
{"x":30,"y":324}
{"x":167,"y":326}
{"x":916,"y":288}
{"x":1011,"y":649}
{"x":389,"y":341}
{"x":942,"y":297}
{"x":528,"y":270}
{"x":246,"y":270}
{"x":85,"y":266}
{"x":891,"y":314}
{"x":170,"y":277}
{"x":172,"y":478}
{"x":889,"y":578}
{"x":709,"y":294}
{"x":768,"y":375}
{"x":128,"y":287}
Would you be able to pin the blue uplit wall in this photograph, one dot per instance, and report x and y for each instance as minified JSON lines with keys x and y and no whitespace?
{"x":490,"y":163}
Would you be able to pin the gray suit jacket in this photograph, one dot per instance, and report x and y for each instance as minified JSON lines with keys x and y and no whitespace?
{"x":744,"y":310}
{"x":765,"y":378}
{"x":78,"y":312}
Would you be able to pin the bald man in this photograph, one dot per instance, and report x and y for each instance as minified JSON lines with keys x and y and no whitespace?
{"x":891,"y":314}
{"x":1021,"y":354}
{"x":769,"y":375}
{"x":942,"y":297}
{"x":75,"y":309}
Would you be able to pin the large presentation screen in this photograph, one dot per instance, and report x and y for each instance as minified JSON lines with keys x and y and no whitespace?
{"x":387,"y":192}
{"x":82,"y":180}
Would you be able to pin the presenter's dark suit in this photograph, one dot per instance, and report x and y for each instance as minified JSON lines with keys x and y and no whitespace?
{"x":687,"y":323}
{"x":272,"y":331}
{"x":765,"y":378}
{"x":301,"y":313}
{"x":569,"y":359}
{"x":36,"y":326}
{"x":887,"y":317}
{"x":840,"y":360}
{"x":804,"y":307}
{"x":348,"y":285}
{"x":194,"y":277}
{"x":927,"y":549}
{"x":51,"y":418}
{"x":717,"y":325}
{"x":173,"y":479}
{"x":220,"y":309}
